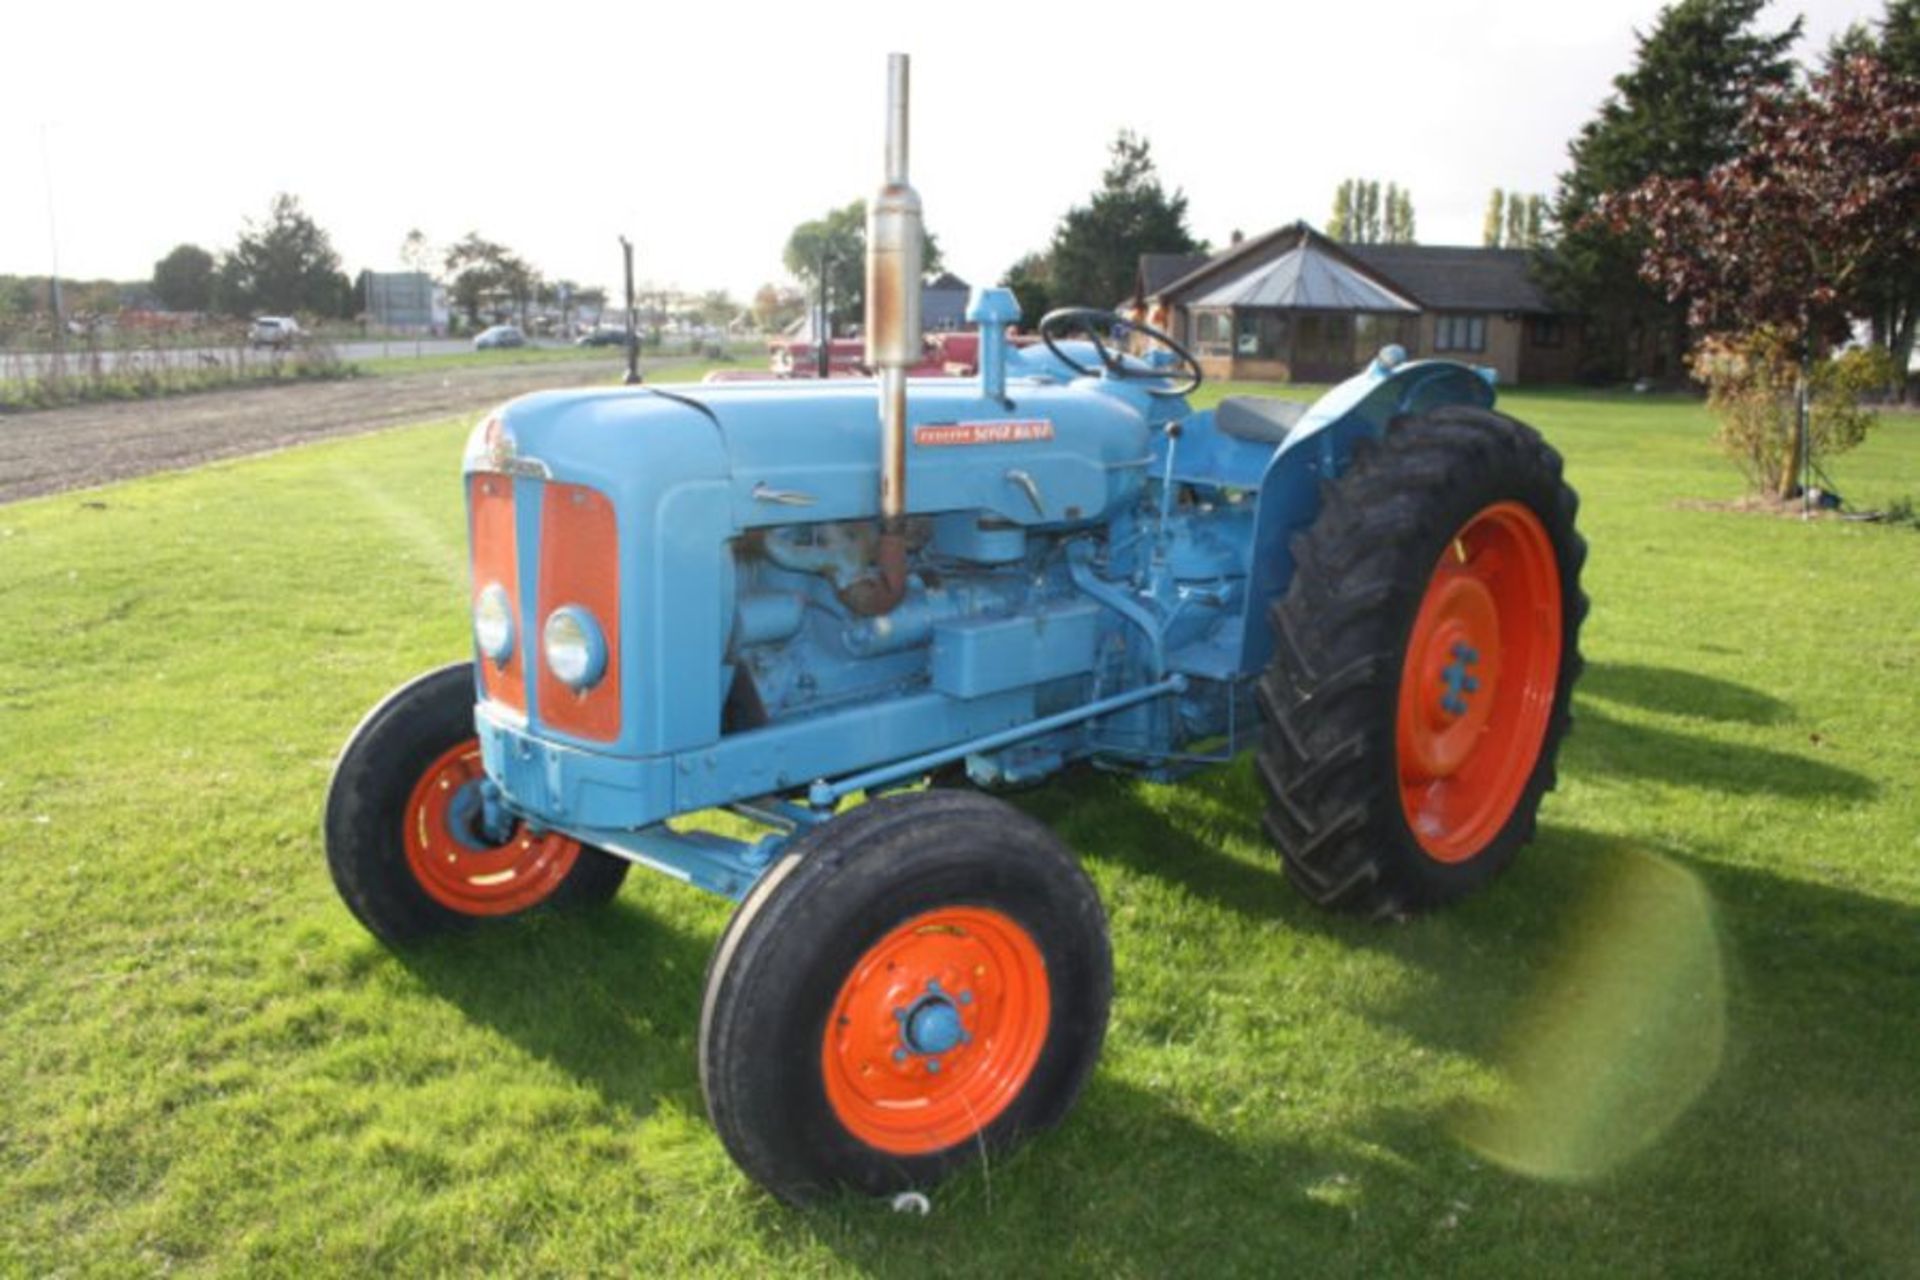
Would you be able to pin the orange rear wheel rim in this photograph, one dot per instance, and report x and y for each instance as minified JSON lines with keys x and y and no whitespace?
{"x":460,"y":869}
{"x":1478,"y":682}
{"x":936,"y":1030}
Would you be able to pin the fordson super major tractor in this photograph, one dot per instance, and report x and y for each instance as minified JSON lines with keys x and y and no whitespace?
{"x":775,"y":600}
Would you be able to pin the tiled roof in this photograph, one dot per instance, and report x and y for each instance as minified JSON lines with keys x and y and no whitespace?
{"x":1458,"y":277}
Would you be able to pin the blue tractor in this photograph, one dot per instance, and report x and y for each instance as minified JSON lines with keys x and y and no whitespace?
{"x":797,"y":603}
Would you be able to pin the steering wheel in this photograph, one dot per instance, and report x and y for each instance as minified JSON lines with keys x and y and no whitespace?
{"x":1090,"y":321}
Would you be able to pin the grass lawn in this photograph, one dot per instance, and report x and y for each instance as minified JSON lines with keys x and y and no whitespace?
{"x":1679,"y":1038}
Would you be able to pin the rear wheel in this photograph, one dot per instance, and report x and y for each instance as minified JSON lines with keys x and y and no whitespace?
{"x":405,"y":838}
{"x":917,"y":982}
{"x":1424,"y":658}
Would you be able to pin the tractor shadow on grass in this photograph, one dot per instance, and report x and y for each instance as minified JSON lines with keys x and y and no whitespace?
{"x":1686,"y":693}
{"x":1789,"y":1150}
{"x":1602,"y":744}
{"x":610,"y":995}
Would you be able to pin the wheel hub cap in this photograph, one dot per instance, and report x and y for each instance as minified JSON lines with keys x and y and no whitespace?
{"x":936,"y":1030}
{"x":1478,"y":681}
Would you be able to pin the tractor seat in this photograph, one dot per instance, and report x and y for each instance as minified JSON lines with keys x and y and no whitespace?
{"x":1262,"y":419}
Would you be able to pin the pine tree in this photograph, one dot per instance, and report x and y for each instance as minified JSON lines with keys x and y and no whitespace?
{"x":1097,"y":246}
{"x":1494,"y":224}
{"x":1675,"y":113}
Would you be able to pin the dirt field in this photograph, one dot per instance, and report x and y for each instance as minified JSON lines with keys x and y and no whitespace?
{"x":61,"y":449}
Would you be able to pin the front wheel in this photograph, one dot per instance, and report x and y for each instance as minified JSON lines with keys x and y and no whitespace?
{"x":405,"y":838}
{"x":918,"y":982}
{"x":1424,"y":657}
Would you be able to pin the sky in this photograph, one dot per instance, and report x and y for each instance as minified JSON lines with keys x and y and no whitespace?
{"x":706,"y":132}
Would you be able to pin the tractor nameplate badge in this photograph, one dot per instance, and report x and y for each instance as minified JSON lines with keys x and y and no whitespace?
{"x":937,"y":434}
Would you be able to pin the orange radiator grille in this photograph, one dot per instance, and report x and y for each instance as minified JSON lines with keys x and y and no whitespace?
{"x":580,"y":565}
{"x":495,"y":559}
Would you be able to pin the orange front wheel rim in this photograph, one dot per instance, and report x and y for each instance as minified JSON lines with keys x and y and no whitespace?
{"x":936,"y":1030}
{"x":459,"y":867}
{"x":1478,"y":682}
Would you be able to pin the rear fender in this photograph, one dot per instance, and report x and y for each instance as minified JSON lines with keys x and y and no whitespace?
{"x":1320,"y":448}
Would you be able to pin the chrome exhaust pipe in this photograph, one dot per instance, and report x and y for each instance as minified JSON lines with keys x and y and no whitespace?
{"x":894,"y":246}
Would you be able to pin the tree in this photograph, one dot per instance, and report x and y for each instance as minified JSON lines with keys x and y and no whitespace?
{"x":1514,"y":221}
{"x":1493,"y":225}
{"x":718,"y":309}
{"x":1781,"y":245}
{"x":1095,"y":253}
{"x":1340,"y":223}
{"x":1031,"y":279}
{"x":839,"y":237}
{"x":287,"y":265}
{"x":487,"y":274}
{"x":1363,"y":214}
{"x":774,"y":307}
{"x":1675,"y":113}
{"x":1891,"y":305}
{"x":1399,"y":227}
{"x":183,"y":280}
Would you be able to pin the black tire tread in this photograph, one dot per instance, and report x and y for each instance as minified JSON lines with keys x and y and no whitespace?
{"x":780,"y":924}
{"x":1327,"y":755}
{"x":366,"y":800}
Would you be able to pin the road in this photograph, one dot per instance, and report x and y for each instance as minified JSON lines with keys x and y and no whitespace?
{"x":27,"y":364}
{"x":61,"y":449}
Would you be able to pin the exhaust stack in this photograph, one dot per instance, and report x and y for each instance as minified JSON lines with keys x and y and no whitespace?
{"x":894,"y":246}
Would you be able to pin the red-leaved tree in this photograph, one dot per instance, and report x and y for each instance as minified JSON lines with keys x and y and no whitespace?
{"x":1787,"y":238}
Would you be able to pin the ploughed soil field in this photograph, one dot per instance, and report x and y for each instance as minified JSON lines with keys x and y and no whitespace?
{"x":74,"y":448}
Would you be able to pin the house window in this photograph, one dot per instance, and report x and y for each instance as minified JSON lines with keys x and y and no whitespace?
{"x":1372,"y":332}
{"x":1459,"y":333}
{"x":1548,"y":331}
{"x":1264,"y":335}
{"x":1213,"y":333}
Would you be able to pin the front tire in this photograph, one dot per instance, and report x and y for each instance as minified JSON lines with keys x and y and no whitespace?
{"x":917,"y":982}
{"x":1424,"y":658}
{"x":402,"y":841}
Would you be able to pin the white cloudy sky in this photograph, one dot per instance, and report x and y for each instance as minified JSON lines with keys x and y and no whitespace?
{"x":707,"y":130}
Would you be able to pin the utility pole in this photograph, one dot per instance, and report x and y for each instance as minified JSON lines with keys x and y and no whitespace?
{"x":53,"y":246}
{"x":633,"y":338}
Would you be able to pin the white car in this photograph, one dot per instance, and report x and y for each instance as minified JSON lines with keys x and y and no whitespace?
{"x":273,"y":331}
{"x":500,"y":335}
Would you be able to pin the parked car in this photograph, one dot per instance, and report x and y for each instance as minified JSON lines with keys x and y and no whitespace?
{"x":602,"y":337}
{"x":277,"y":332}
{"x":500,"y":335}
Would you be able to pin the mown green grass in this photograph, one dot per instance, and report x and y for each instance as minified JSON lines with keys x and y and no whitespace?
{"x":209,"y":1067}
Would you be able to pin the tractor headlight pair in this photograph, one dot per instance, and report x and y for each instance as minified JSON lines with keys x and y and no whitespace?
{"x":575,"y":648}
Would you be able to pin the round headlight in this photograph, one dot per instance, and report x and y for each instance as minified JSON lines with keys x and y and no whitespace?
{"x":576,"y":651}
{"x":493,"y":623}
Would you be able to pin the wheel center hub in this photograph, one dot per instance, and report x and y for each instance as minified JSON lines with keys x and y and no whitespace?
{"x":1456,"y":676}
{"x":1458,"y":652}
{"x":932,"y":1026}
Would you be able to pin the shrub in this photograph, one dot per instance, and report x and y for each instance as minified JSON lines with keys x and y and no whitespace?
{"x":1751,"y":388}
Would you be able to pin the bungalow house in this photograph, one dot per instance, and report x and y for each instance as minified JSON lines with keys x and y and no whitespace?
{"x":1295,"y":305}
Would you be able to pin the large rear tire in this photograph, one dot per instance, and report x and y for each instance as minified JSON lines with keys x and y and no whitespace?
{"x":401,"y":829}
{"x":1424,"y":658}
{"x":916,"y":983}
